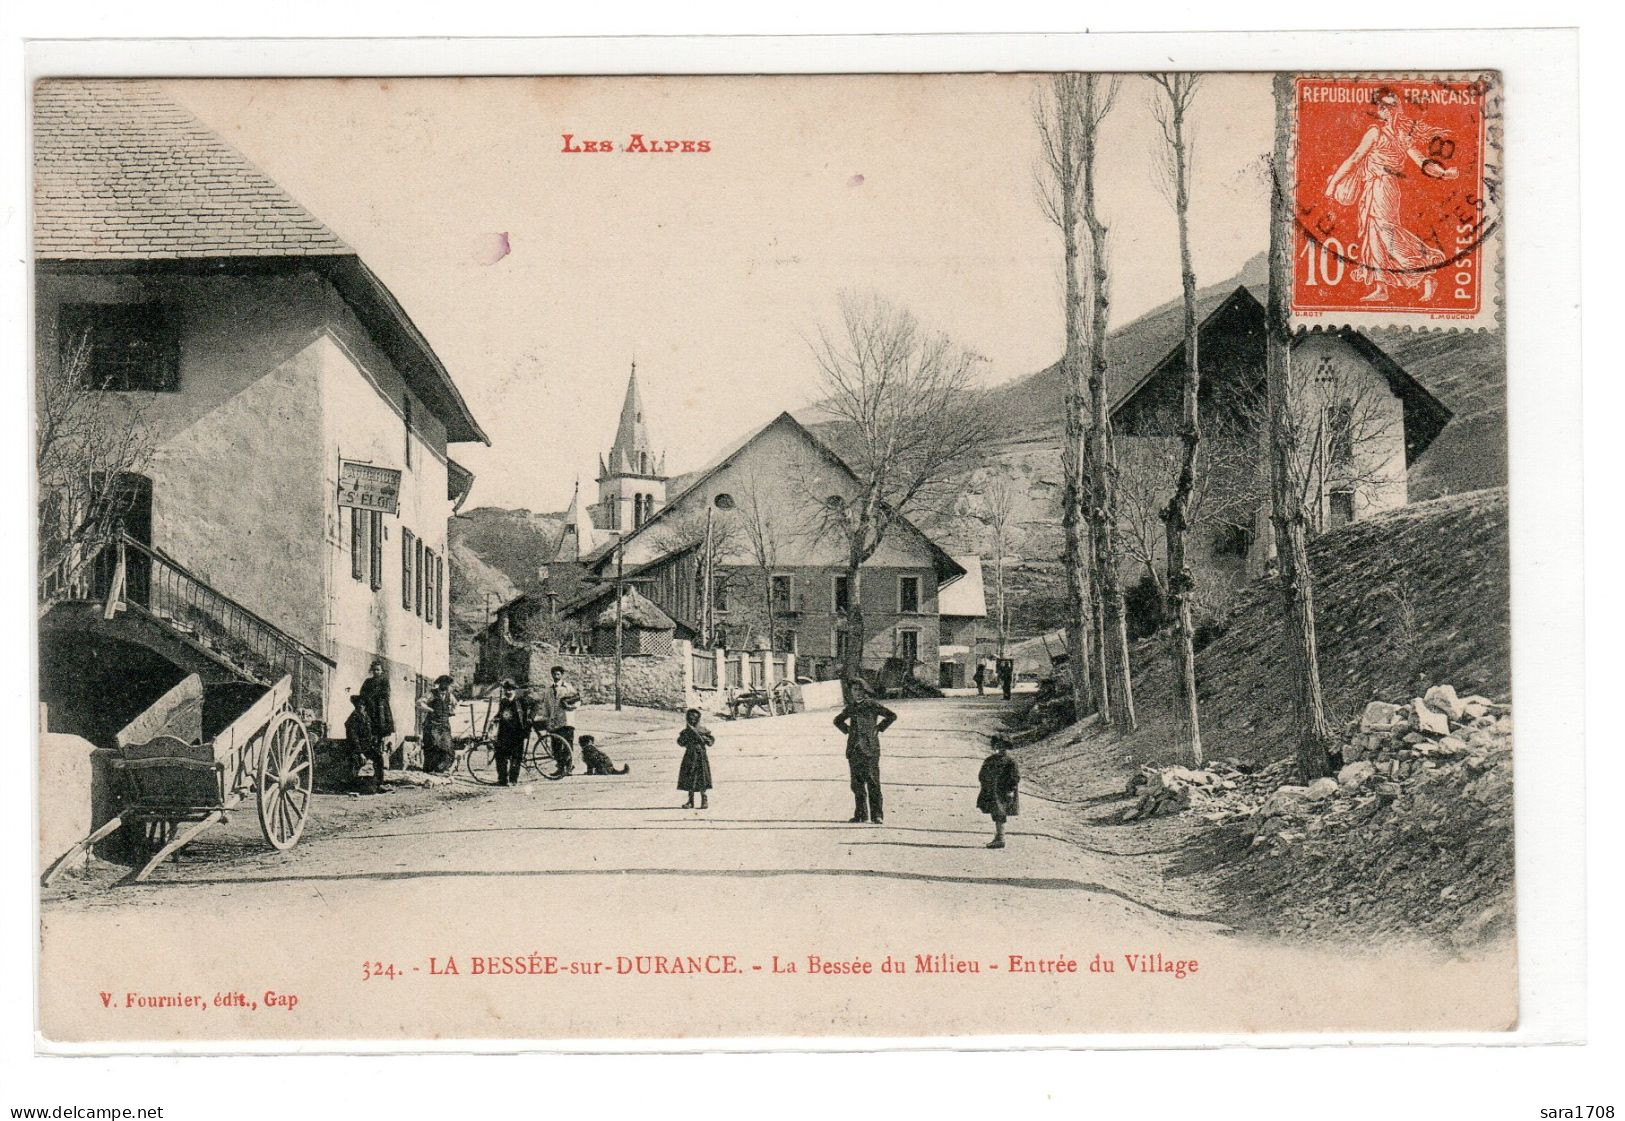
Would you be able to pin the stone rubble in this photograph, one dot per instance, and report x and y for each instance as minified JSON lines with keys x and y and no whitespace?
{"x":1416,"y":825}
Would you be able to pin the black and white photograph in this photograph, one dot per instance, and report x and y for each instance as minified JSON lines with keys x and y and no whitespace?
{"x":657,"y":559}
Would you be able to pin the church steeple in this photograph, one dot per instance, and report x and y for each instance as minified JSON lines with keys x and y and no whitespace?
{"x":631,"y":481}
{"x":632,"y":452}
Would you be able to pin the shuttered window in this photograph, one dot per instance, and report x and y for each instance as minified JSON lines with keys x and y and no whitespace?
{"x":408,"y":569}
{"x":358,"y":543}
{"x":375,"y":547}
{"x":417,"y":584}
{"x":440,"y":592}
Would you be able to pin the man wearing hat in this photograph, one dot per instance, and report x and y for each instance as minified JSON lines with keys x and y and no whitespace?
{"x":512,"y":719}
{"x":862,"y":721}
{"x":554,"y":703}
{"x":438,"y":709}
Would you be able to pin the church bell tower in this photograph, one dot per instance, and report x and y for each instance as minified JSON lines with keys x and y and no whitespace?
{"x":632,"y":478}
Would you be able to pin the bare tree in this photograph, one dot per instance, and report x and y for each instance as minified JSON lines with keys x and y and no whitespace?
{"x":762,"y":529}
{"x":909,"y":421}
{"x":88,"y":443}
{"x":1286,"y":508}
{"x":1171,"y":109}
{"x":1227,"y":489}
{"x":1057,"y":112}
{"x":1099,"y":94}
{"x":996,"y":505}
{"x":1340,"y":430}
{"x":714,"y":541}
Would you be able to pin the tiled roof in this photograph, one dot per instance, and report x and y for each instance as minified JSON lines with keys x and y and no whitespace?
{"x":122,"y":172}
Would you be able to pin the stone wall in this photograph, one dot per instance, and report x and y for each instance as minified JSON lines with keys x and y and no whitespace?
{"x":648,"y":681}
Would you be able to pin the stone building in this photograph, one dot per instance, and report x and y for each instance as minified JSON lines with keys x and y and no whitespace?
{"x":777,"y":581}
{"x":1361,"y":421}
{"x":293,"y":518}
{"x":967,"y":633}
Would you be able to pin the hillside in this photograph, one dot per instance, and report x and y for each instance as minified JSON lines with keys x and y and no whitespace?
{"x":1408,"y":599}
{"x":1413,"y":838}
{"x":494,"y":557}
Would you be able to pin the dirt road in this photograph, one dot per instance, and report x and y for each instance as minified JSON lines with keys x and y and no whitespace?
{"x":594,"y":908}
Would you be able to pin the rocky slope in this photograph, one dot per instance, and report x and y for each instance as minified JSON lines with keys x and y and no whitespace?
{"x":494,"y":557}
{"x":1413,"y":837}
{"x":1414,"y":596}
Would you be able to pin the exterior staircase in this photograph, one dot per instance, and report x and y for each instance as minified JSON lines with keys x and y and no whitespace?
{"x":138,"y":593}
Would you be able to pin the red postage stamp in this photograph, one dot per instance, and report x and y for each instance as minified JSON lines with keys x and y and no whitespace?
{"x":1397,"y":184}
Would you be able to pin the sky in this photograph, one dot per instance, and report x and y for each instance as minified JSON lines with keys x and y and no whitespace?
{"x":539,"y":275}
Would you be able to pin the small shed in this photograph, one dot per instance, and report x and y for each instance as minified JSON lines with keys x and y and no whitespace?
{"x":645,"y":629}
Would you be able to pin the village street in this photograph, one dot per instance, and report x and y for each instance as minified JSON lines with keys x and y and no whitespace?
{"x":610,"y":871}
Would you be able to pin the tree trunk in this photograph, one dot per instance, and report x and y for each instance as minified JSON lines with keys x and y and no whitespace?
{"x":1097,"y":635}
{"x":1286,"y":504}
{"x":1079,"y":618}
{"x":1102,"y":454}
{"x":767,"y":600}
{"x":1177,"y":517}
{"x":852,"y":664}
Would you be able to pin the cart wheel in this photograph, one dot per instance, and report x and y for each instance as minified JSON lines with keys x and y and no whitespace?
{"x":286,"y":778}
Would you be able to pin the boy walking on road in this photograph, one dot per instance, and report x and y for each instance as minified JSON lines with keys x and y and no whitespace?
{"x":862,"y":720}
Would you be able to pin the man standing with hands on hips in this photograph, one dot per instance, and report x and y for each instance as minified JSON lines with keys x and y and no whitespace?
{"x":862,"y":720}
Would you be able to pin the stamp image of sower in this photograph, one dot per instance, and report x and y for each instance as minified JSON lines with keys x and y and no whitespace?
{"x":1396,"y":185}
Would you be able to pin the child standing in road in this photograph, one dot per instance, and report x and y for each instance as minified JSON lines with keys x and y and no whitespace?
{"x":1000,"y":780}
{"x":694,"y":775}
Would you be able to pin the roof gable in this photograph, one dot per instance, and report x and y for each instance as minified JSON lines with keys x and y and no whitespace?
{"x":1236,"y":325}
{"x":947,"y":568}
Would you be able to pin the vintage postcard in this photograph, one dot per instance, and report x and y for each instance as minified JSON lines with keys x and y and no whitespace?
{"x":589,"y":560}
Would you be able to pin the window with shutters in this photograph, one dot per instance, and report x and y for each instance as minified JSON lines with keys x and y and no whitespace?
{"x":417,"y":583}
{"x":440,"y":592}
{"x":375,"y":546}
{"x":408,"y":540}
{"x":358,"y":544}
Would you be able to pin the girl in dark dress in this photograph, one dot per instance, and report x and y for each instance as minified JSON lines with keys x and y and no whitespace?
{"x":999,"y":797}
{"x":695,"y":774}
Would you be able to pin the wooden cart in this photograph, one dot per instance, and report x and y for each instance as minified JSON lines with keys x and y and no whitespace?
{"x":170,"y":787}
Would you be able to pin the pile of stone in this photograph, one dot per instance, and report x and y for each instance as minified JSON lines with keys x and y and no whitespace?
{"x":1386,"y":747}
{"x":1412,"y":835}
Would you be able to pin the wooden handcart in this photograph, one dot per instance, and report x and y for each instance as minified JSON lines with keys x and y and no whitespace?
{"x":170,"y":787}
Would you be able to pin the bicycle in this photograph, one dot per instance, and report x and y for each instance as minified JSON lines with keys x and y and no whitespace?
{"x":538,"y":758}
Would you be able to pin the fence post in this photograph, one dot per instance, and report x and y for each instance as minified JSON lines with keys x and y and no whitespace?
{"x":115,"y":587}
{"x":686,"y":653}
